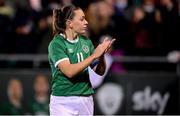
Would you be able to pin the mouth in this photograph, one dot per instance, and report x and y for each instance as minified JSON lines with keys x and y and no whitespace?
{"x":85,"y":28}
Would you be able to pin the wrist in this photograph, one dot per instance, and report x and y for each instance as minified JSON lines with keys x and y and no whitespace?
{"x":102,"y":56}
{"x":93,"y":57}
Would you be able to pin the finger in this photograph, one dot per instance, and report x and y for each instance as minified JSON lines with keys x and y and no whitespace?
{"x":110,"y":44}
{"x":106,"y":39}
{"x":112,"y":41}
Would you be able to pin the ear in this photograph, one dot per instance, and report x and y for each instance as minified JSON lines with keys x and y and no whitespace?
{"x":69,"y":23}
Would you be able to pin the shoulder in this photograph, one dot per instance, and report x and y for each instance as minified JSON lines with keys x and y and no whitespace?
{"x":56,"y":41}
{"x":84,"y":38}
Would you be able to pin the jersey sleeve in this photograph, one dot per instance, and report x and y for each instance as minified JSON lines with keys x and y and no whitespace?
{"x":57,"y":53}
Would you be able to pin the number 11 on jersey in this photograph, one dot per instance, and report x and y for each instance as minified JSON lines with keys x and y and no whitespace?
{"x":80,"y":57}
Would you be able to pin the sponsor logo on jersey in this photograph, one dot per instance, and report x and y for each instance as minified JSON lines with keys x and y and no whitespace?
{"x":85,"y":48}
{"x":70,"y":50}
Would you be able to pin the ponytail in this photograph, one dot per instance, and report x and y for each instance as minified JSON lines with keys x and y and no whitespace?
{"x":57,"y":24}
{"x":60,"y":16}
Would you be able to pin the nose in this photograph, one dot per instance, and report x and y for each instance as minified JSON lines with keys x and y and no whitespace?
{"x":86,"y":22}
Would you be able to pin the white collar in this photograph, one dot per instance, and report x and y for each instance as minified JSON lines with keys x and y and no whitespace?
{"x":69,"y":40}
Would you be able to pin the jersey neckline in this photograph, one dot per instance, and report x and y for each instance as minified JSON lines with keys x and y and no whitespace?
{"x":71,"y":41}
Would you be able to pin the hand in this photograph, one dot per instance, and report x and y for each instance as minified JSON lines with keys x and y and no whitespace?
{"x":112,"y":41}
{"x":103,"y":47}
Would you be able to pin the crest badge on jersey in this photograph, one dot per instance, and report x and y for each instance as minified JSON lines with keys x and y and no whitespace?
{"x":85,"y":48}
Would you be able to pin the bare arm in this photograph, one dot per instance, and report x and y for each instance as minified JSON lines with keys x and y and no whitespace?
{"x":70,"y":70}
{"x":101,"y":67}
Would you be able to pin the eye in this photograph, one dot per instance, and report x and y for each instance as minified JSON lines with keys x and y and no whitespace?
{"x":82,"y":19}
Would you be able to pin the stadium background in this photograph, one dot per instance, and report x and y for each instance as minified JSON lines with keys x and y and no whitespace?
{"x":144,"y":75}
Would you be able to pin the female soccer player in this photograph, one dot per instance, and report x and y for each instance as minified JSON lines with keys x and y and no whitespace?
{"x":70,"y":53}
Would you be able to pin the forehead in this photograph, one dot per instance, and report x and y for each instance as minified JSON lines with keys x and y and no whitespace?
{"x":79,"y":13}
{"x":41,"y":79}
{"x":15,"y":83}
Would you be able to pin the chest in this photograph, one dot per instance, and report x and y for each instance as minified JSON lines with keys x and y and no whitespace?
{"x":77,"y":52}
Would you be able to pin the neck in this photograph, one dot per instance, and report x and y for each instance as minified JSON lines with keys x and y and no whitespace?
{"x":41,"y":94}
{"x":15,"y":101}
{"x":41,"y":98}
{"x":70,"y":34}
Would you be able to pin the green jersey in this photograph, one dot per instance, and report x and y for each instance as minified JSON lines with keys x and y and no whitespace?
{"x":38,"y":108}
{"x":76,"y":51}
{"x":8,"y":108}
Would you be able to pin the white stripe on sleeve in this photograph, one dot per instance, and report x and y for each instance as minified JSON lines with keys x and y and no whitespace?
{"x":56,"y":64}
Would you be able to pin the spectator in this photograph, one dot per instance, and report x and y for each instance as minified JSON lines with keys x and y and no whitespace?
{"x":14,"y":105}
{"x":152,"y":18}
{"x":121,"y":24}
{"x":39,"y":105}
{"x":99,"y":15}
{"x":44,"y":31}
{"x":170,"y":29}
{"x":136,"y":29}
{"x":144,"y":34}
{"x":6,"y":14}
{"x":24,"y":34}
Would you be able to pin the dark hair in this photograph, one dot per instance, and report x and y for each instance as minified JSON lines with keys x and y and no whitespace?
{"x":60,"y":16}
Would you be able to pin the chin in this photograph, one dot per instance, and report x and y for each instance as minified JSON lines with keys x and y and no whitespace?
{"x":82,"y":32}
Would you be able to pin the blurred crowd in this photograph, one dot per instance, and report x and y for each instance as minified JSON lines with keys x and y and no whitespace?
{"x":38,"y":104}
{"x":141,"y":27}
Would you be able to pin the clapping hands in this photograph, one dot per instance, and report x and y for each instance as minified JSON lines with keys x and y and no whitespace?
{"x":103,"y":47}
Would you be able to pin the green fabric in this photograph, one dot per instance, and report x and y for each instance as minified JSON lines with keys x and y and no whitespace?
{"x":60,"y":48}
{"x":37,"y":108}
{"x":8,"y":108}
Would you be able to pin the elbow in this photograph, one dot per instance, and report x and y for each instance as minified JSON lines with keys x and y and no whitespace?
{"x":101,"y":73}
{"x":69,"y":74}
{"x":67,"y":70}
